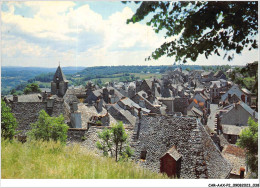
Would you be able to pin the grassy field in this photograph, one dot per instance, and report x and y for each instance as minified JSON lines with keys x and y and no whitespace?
{"x":49,"y":160}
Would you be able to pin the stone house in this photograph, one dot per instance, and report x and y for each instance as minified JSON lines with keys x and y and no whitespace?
{"x":220,"y":75}
{"x":231,"y":132}
{"x":237,"y":114}
{"x":144,"y":103}
{"x":26,"y":108}
{"x":120,"y":114}
{"x":207,"y":76}
{"x":244,"y":95}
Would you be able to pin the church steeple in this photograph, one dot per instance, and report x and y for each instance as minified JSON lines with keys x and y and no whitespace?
{"x":59,"y":84}
{"x":59,"y":76}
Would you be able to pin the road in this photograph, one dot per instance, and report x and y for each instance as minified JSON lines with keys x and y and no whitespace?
{"x":211,"y":118}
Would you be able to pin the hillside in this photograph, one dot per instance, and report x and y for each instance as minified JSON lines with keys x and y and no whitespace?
{"x":49,"y":160}
{"x":17,"y":77}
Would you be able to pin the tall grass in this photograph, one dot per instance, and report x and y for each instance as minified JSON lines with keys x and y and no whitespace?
{"x":51,"y":160}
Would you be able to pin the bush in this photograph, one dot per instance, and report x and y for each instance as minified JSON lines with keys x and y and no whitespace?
{"x":8,"y":122}
{"x":113,"y":142}
{"x":249,"y":141}
{"x":49,"y":128}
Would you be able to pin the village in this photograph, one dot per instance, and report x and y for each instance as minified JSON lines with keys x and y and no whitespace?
{"x":185,"y":124}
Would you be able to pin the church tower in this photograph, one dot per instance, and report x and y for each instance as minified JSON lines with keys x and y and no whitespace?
{"x":59,"y":84}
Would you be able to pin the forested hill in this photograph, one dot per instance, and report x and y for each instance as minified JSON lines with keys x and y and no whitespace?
{"x":16,"y":78}
{"x":12,"y":77}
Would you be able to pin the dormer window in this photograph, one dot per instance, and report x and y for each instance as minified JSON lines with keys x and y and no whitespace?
{"x":143,"y":155}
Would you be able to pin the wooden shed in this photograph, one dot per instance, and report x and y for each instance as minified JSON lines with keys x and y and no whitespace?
{"x":170,"y":163}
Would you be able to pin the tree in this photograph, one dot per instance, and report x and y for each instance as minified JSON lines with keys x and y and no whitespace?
{"x":249,"y":141}
{"x":47,"y":128}
{"x":31,"y":88}
{"x":201,"y":27}
{"x":8,"y":122}
{"x":113,"y":141}
{"x":13,"y":91}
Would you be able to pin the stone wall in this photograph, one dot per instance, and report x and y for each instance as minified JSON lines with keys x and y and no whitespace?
{"x":26,"y":113}
{"x":180,"y":105}
{"x":76,"y":135}
{"x":237,"y":115}
{"x":58,"y":107}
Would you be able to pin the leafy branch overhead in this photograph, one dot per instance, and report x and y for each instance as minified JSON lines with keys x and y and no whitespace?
{"x":201,"y":27}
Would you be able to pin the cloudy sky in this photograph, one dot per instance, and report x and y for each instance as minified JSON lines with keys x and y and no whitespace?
{"x":42,"y":33}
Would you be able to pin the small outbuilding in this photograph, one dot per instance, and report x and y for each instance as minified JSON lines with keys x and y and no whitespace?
{"x":170,"y":163}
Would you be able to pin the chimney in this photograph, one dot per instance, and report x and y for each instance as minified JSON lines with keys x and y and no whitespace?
{"x":44,"y":96}
{"x":15,"y":98}
{"x":75,"y":106}
{"x":139,"y":113}
{"x":112,"y":92}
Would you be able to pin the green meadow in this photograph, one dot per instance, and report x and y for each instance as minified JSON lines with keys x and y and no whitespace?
{"x":51,"y":160}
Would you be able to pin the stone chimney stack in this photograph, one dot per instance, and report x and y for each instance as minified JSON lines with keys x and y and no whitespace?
{"x":44,"y":96}
{"x":15,"y":98}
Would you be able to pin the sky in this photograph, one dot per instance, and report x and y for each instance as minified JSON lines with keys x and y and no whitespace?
{"x":84,"y":33}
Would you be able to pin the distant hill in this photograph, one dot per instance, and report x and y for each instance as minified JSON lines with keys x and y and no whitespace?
{"x":17,"y":77}
{"x":14,"y":76}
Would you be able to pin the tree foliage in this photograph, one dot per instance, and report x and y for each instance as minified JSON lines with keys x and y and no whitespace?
{"x":201,"y":27}
{"x":8,"y":122}
{"x":31,"y":88}
{"x":113,"y":142}
{"x":249,"y":141}
{"x":49,"y":128}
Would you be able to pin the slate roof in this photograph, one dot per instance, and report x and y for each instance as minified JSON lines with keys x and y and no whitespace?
{"x":47,"y":90}
{"x":35,"y":97}
{"x":117,"y":93}
{"x":98,"y":92}
{"x":69,"y":98}
{"x":59,"y":74}
{"x":130,"y":103}
{"x":232,"y":129}
{"x":142,"y":92}
{"x":200,"y":156}
{"x":125,"y":113}
{"x":233,"y":90}
{"x":218,"y":84}
{"x":197,"y":111}
{"x":236,"y":157}
{"x":149,"y":83}
{"x":218,"y":73}
{"x":206,"y":73}
{"x":246,"y":91}
{"x":249,"y":110}
{"x":185,"y":72}
{"x":79,"y":91}
{"x":173,"y":153}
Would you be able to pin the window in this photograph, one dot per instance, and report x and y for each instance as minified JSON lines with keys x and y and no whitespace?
{"x":58,"y":86}
{"x":229,"y":138}
{"x":143,"y":155}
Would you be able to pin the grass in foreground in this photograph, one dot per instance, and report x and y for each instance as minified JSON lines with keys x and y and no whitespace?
{"x":49,"y":160}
